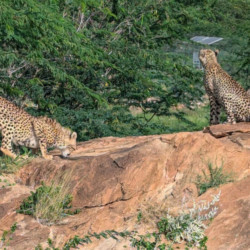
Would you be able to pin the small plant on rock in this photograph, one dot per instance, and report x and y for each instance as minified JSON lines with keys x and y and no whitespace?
{"x":216,"y":177}
{"x":7,"y":236}
{"x":189,"y":226}
{"x":49,"y":203}
{"x":4,"y":183}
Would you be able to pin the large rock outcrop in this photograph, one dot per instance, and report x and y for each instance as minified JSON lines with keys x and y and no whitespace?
{"x":114,"y":178}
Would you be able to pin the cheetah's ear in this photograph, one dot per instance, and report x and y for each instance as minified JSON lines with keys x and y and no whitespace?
{"x":216,"y":52}
{"x":73,"y":135}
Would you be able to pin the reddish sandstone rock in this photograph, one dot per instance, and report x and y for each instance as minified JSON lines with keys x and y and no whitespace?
{"x":222,"y":130}
{"x":113,"y":178}
{"x":230,"y":228}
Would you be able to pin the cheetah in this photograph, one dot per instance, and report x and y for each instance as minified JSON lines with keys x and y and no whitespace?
{"x":223,"y":91}
{"x":20,"y":128}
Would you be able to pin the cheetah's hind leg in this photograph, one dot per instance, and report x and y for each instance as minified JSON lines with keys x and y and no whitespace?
{"x":6,"y":147}
{"x":214,"y":111}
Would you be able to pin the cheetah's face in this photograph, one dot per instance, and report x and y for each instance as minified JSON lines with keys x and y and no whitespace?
{"x":208,"y":55}
{"x":67,"y":144}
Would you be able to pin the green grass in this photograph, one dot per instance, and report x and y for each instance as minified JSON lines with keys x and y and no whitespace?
{"x":11,"y":166}
{"x":181,"y":120}
{"x":192,"y":120}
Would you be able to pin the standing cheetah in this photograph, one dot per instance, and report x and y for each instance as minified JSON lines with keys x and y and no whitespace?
{"x":223,"y":91}
{"x":20,"y":128}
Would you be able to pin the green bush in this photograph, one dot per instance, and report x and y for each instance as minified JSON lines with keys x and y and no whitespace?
{"x":215,"y":178}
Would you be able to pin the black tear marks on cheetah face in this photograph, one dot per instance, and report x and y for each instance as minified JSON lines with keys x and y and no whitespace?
{"x":20,"y":128}
{"x":223,"y":91}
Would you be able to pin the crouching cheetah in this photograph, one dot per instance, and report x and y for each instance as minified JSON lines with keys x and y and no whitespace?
{"x":223,"y":91}
{"x":20,"y":128}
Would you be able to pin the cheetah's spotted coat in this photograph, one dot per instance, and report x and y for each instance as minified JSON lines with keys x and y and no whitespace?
{"x":20,"y":128}
{"x":223,"y":91}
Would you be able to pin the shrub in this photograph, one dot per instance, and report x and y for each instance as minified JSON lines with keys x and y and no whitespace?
{"x":215,"y":178}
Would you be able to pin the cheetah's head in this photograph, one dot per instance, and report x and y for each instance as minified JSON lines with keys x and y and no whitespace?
{"x":207,"y":56}
{"x":67,"y":142}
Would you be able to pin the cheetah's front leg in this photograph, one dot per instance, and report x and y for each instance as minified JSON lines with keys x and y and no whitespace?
{"x":39,"y":132}
{"x":43,"y":147}
{"x":214,"y":111}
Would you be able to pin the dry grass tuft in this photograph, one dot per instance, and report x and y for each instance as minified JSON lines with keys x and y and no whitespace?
{"x":52,"y":202}
{"x":152,"y":213}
